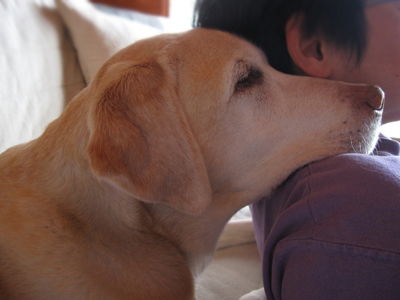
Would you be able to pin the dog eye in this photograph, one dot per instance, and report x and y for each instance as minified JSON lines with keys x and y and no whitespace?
{"x":253,"y":77}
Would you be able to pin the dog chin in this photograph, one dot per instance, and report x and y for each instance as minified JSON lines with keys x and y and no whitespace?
{"x":364,"y":141}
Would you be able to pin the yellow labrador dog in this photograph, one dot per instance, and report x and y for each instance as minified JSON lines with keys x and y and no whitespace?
{"x":124,"y":196}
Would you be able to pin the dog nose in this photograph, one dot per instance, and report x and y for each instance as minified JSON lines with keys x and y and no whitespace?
{"x":375,"y":98}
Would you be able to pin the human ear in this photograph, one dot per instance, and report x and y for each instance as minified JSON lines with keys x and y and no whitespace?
{"x":310,"y":55}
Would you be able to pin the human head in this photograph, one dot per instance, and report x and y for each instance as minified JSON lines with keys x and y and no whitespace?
{"x":263,"y":22}
{"x":335,"y":39}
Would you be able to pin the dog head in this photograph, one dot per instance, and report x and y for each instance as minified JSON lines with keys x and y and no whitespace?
{"x":177,"y":118}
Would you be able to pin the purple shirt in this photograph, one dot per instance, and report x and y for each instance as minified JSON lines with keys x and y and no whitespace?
{"x":332,"y":229}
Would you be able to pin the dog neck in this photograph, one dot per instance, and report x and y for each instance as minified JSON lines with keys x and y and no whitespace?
{"x":57,"y":170}
{"x":57,"y":162}
{"x":195,"y":236}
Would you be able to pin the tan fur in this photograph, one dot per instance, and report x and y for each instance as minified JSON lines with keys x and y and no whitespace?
{"x":125,"y":195}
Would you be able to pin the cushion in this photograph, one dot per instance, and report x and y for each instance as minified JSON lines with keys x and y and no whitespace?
{"x":39,"y":71}
{"x":98,"y":35}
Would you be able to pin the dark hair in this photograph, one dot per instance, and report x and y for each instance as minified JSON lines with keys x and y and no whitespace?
{"x":262,"y":22}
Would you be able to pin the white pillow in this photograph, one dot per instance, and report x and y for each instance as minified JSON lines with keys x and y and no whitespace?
{"x":98,"y":35}
{"x":39,"y":70}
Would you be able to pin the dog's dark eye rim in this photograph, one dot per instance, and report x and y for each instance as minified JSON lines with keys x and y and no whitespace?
{"x":252,"y":77}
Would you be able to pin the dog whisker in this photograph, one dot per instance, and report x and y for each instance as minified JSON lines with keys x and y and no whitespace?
{"x":352,"y":145}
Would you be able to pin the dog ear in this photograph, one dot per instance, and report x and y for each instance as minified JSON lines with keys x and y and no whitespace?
{"x":141,"y":141}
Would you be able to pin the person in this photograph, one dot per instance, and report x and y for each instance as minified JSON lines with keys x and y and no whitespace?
{"x":332,"y":229}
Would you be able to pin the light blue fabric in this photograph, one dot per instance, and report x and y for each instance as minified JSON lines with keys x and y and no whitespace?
{"x":150,"y":20}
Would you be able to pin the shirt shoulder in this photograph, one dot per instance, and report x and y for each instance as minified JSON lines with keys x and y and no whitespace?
{"x":338,"y":220}
{"x":353,"y":196}
{"x":331,"y":215}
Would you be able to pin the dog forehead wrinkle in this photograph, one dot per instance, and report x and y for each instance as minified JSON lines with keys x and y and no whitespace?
{"x":207,"y":87}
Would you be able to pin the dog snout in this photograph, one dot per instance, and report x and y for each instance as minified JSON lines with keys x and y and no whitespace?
{"x":375,"y":98}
